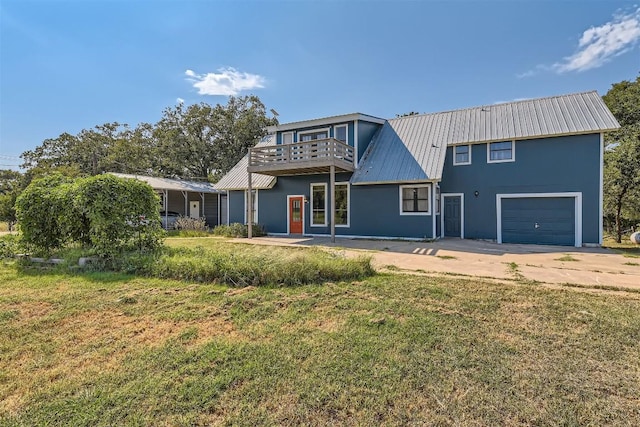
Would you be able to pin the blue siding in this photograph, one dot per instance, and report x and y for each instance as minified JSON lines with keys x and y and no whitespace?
{"x":366,"y":130}
{"x":374,"y":209}
{"x":236,"y":207}
{"x":350,"y":131}
{"x":549,"y":165}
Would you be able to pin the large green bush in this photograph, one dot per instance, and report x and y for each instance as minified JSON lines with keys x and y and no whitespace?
{"x":121,"y":213}
{"x":41,"y":209}
{"x":108,"y":213}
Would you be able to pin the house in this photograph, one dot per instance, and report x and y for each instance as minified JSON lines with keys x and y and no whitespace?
{"x":519,"y":172}
{"x":193,"y":199}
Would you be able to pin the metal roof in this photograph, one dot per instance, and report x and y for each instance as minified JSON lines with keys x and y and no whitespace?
{"x":413,"y":148}
{"x":325,"y":121}
{"x":238,"y":179}
{"x":172,"y":184}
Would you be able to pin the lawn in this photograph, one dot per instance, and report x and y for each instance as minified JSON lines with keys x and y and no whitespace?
{"x":111,"y":349}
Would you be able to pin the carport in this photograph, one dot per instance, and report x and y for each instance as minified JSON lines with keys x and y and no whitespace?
{"x":192,"y":199}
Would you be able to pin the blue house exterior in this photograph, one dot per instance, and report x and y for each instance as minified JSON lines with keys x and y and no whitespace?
{"x":521,"y":172}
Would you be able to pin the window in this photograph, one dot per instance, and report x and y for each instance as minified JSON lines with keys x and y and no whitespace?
{"x":498,"y":152}
{"x":461,"y":155}
{"x":318,"y":204}
{"x":340,"y":133}
{"x":287,"y":138}
{"x":313,"y":135}
{"x":342,"y":204}
{"x":254,"y":193}
{"x":414,"y":200}
{"x":437,"y":199}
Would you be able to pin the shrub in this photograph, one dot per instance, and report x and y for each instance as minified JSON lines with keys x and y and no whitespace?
{"x":40,"y":210}
{"x":238,"y":230}
{"x":122,"y":214}
{"x":191,"y":224}
{"x":10,"y":246}
{"x":109,"y":213}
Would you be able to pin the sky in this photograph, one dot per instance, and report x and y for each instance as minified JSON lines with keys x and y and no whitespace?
{"x":71,"y":65}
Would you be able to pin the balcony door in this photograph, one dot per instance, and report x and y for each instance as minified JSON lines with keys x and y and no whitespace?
{"x":296,"y":214}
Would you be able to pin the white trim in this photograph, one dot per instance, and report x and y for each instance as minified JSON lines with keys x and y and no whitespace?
{"x":344,"y":125}
{"x":289,"y":197}
{"x":442,"y":196}
{"x":513,"y":152}
{"x":601,"y":192}
{"x":311,"y":131}
{"x":326,"y":199}
{"x":356,"y":159}
{"x":348,"y":224}
{"x":577,"y":210}
{"x":468,"y":162}
{"x":325,"y":121}
{"x":433,"y":217}
{"x":287,"y":133}
{"x":428,"y":187}
{"x":255,"y":218}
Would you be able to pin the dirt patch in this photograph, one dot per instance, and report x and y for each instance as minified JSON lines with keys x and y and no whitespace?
{"x":27,"y":311}
{"x":240,"y":291}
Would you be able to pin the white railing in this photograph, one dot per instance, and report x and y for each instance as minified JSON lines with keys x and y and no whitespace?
{"x":317,"y":150}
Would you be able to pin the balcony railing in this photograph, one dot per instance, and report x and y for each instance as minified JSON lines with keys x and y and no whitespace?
{"x":301,"y":157}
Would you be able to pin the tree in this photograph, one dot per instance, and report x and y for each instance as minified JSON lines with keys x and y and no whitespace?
{"x":11,"y":183}
{"x":198,"y":141}
{"x":622,"y":157}
{"x":203,"y":142}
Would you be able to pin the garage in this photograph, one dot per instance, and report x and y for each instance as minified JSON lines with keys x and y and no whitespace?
{"x":542,"y":219}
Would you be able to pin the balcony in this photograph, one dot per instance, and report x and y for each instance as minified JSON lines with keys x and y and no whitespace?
{"x":300,"y":158}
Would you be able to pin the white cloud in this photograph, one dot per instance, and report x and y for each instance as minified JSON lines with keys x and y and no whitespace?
{"x":599,"y":45}
{"x":227,"y":81}
{"x":179,"y":100}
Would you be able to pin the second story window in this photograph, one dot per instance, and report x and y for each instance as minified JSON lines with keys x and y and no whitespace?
{"x":461,"y":155}
{"x":340,"y":133}
{"x":498,"y":152}
{"x":287,"y":138}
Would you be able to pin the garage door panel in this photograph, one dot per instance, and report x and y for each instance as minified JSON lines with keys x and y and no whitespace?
{"x":539,"y":220}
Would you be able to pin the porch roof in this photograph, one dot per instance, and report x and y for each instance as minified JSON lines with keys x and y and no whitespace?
{"x":172,"y":184}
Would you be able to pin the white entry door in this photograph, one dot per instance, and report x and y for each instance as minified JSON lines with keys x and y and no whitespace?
{"x":194,"y":209}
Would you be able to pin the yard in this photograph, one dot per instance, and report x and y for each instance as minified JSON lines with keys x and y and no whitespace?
{"x":112,"y":349}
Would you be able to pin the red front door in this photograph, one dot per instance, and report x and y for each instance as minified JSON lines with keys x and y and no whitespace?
{"x":295,"y":215}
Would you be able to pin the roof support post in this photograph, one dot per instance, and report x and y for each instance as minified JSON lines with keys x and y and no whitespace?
{"x":332,"y":192}
{"x":250,"y":209}
{"x":202,"y":210}
{"x":186,"y":203}
{"x":219,"y":210}
{"x":166,"y":208}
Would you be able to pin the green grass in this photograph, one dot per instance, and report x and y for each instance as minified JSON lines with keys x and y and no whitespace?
{"x":567,"y":258}
{"x":446,"y":257}
{"x":625,"y":247}
{"x":108,"y":349}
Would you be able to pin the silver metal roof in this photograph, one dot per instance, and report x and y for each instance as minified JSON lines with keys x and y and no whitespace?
{"x":238,"y":179}
{"x":172,"y":184}
{"x":413,"y":148}
{"x":325,"y":121}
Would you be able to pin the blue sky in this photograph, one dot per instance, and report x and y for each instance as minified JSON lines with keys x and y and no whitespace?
{"x":69,"y":65}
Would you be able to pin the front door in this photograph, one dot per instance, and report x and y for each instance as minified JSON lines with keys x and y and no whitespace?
{"x":194,"y":209}
{"x":452,"y":216}
{"x":295,"y":215}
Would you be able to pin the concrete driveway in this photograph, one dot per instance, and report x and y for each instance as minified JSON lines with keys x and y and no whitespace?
{"x":547,"y":264}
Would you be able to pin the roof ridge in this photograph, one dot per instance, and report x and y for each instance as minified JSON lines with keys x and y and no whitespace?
{"x":494,"y":105}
